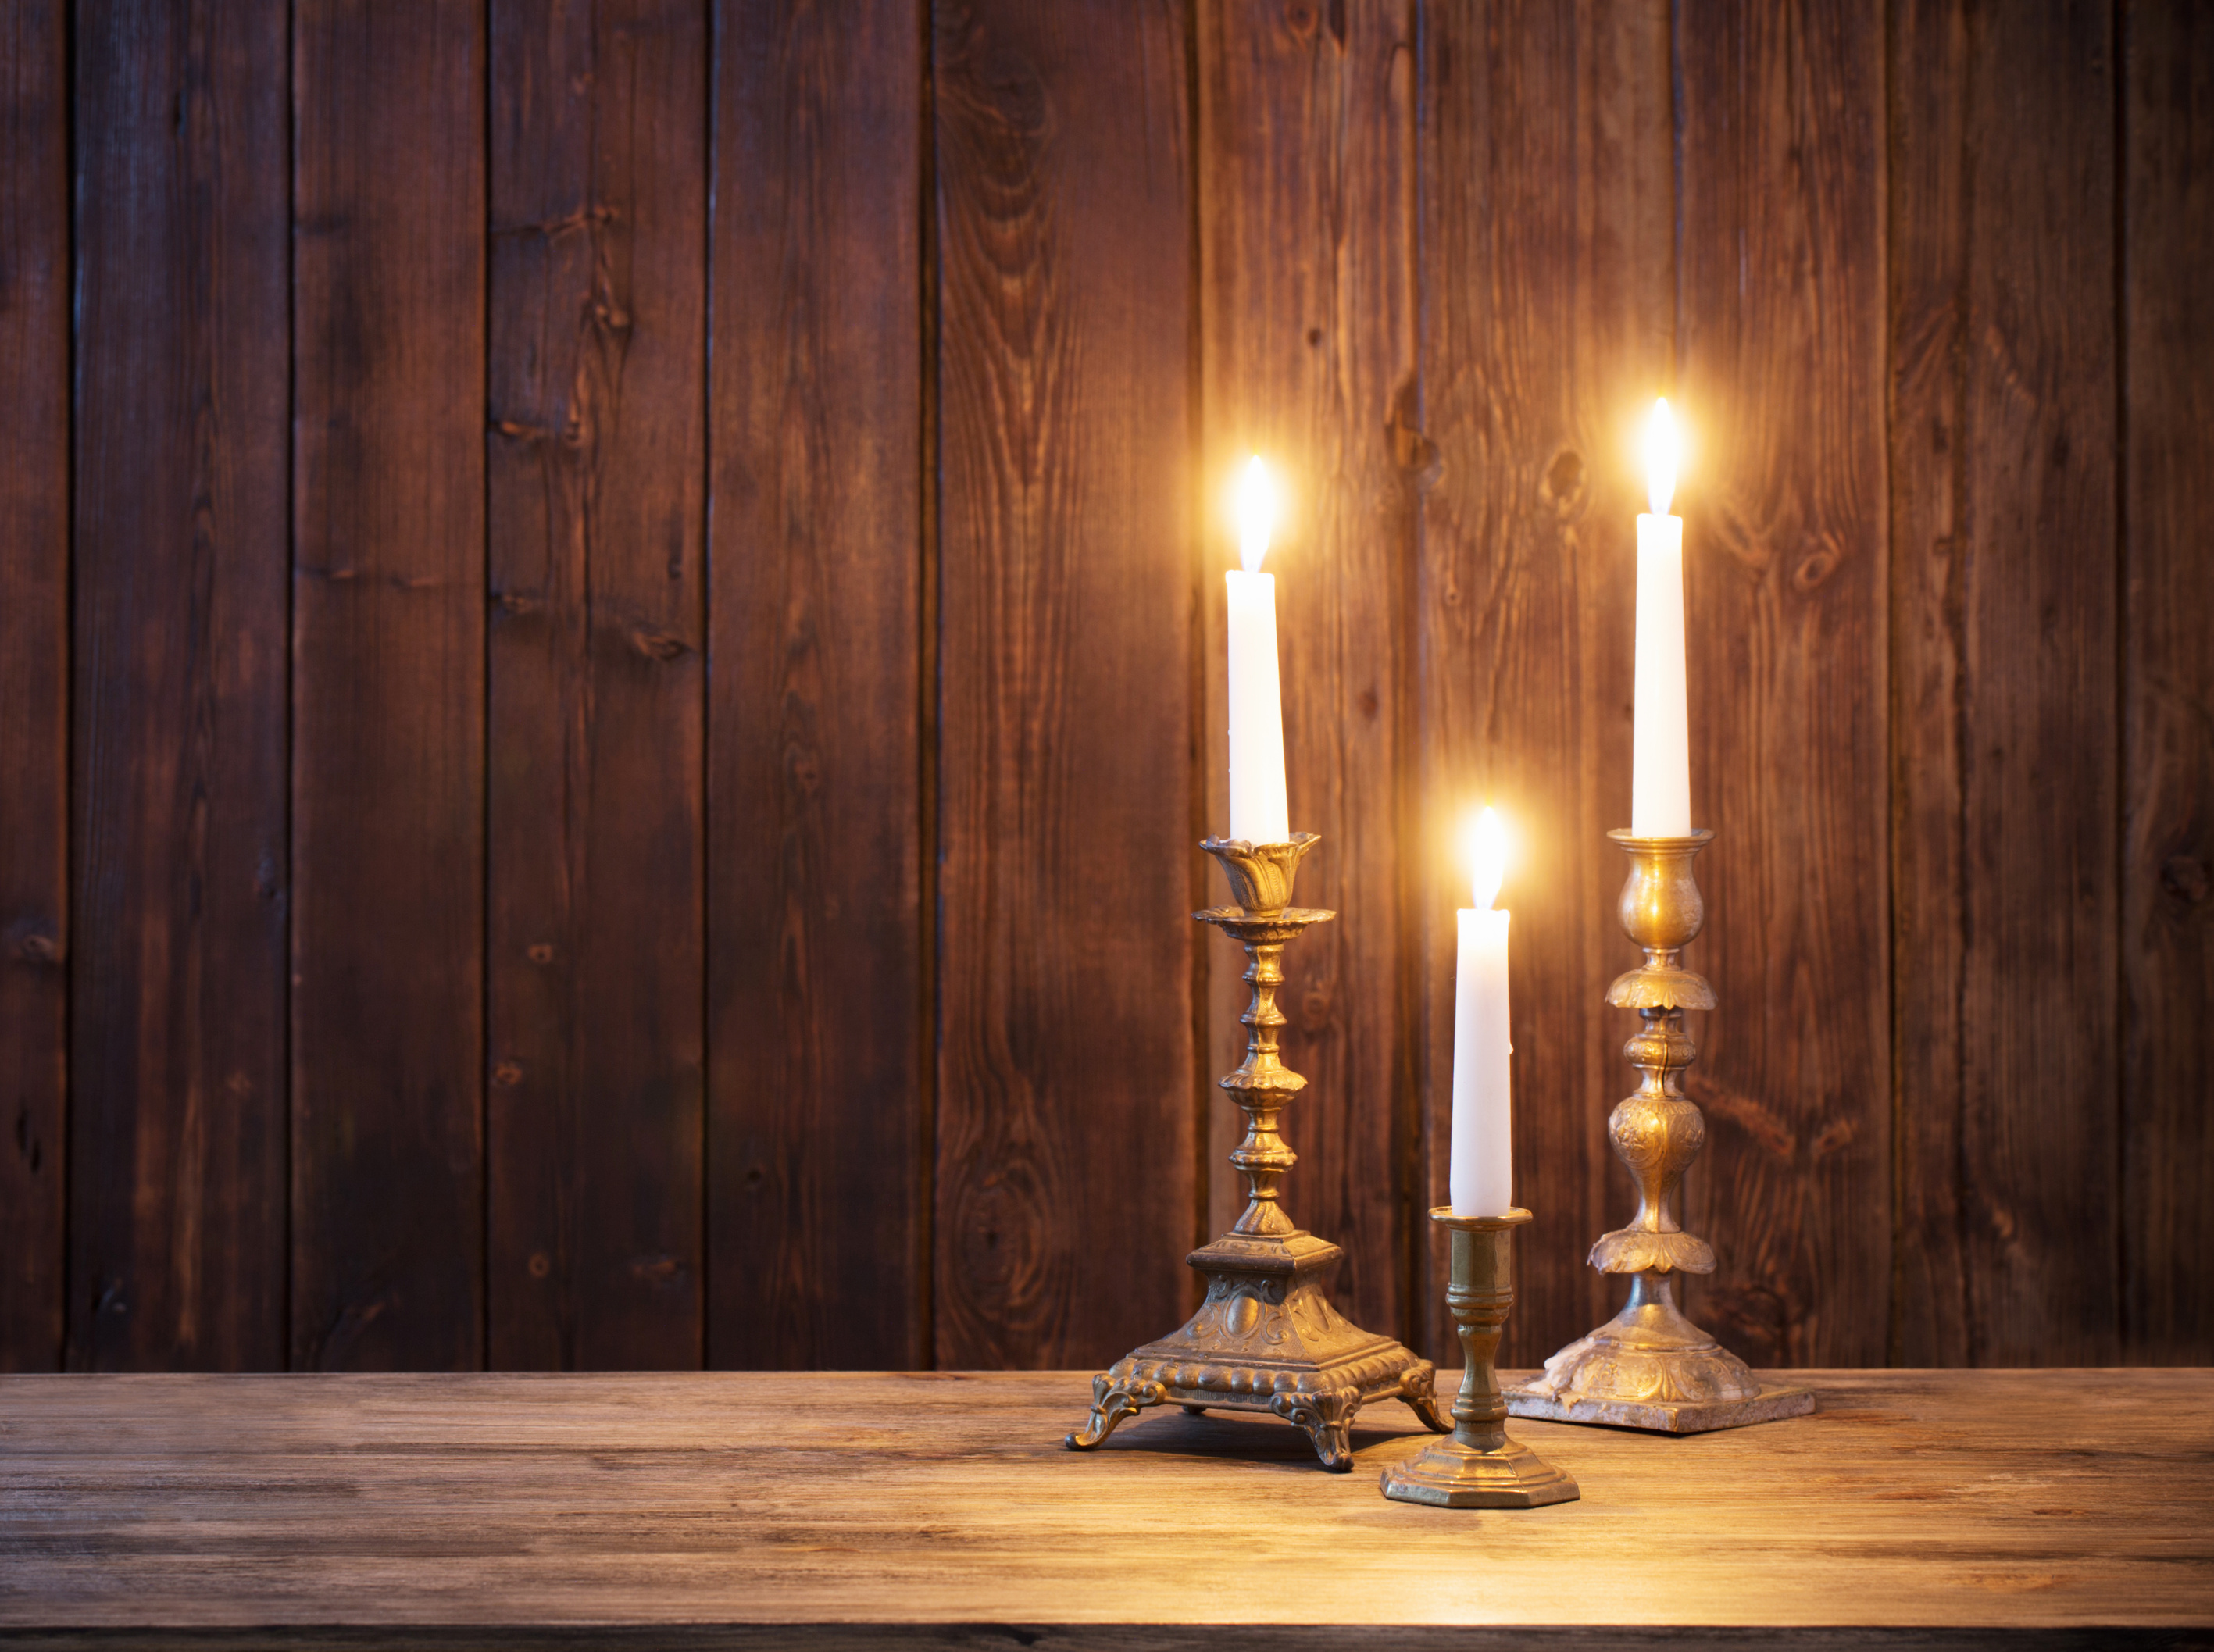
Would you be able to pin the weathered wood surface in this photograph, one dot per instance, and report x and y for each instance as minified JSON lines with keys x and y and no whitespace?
{"x":725,"y":821}
{"x":1548,"y":255}
{"x":820,"y":1133}
{"x":182,"y":689}
{"x":34,"y":690}
{"x":595,"y":489}
{"x":2166,"y":1124}
{"x":1780,"y":363}
{"x":1307,"y":323}
{"x":388,"y":687}
{"x":1981,"y":1501}
{"x":1067,"y":1185}
{"x":2003,"y":443}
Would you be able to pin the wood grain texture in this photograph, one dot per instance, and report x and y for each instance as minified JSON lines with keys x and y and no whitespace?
{"x":2005,"y":495}
{"x":1305,"y":181}
{"x":34,"y":623}
{"x":1780,"y":360}
{"x":1547,"y":262}
{"x":388,"y":681}
{"x":1967,"y":1501}
{"x":183,"y":564}
{"x":817,"y":1224}
{"x":596,"y":389}
{"x":1929,"y":1317}
{"x":1067,"y":1139}
{"x":2166,"y":1136}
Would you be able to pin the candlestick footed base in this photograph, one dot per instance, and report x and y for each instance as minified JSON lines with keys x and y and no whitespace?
{"x":1266,"y":1338}
{"x":1650,"y":1367}
{"x":1481,"y":1465}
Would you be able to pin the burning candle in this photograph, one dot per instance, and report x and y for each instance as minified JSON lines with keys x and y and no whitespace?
{"x":1258,"y":812}
{"x":1481,"y":1176}
{"x":1660,"y":751}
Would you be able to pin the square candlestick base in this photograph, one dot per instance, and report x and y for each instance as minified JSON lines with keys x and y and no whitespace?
{"x":1666,"y":1416}
{"x":1480,"y":1466}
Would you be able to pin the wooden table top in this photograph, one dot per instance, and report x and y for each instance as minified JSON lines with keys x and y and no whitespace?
{"x":505,"y":1508}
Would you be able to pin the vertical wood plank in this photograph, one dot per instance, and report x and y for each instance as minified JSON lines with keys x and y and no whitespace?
{"x":1780,"y":131}
{"x":388,"y":679}
{"x":35,"y":503}
{"x":817,"y":1222}
{"x":177,"y":1210}
{"x":2007,"y":718}
{"x":1306,"y":247}
{"x":1067,"y":1134}
{"x":2168,"y":794}
{"x":595,"y":477}
{"x":1928,"y":224}
{"x":1548,"y":281}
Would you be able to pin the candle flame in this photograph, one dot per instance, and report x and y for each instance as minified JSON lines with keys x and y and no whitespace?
{"x":1257,"y":513}
{"x":1662,"y":450}
{"x":1486,"y":843}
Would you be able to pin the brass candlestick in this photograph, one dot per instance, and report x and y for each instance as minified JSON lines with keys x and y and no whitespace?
{"x":1480,"y":1466}
{"x":1266,"y":1338}
{"x":1650,"y":1367}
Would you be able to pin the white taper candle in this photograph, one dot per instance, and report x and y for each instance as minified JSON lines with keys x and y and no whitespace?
{"x":1660,"y":743}
{"x":1258,"y":810}
{"x":1480,"y":1177}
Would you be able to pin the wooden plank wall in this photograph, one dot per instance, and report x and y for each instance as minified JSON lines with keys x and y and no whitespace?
{"x":610,"y":667}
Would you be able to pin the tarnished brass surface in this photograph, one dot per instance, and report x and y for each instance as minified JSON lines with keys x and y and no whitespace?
{"x":1267,"y":1337}
{"x":1481,"y":1465}
{"x":1650,"y":1367}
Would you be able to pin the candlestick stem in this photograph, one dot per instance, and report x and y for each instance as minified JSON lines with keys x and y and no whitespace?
{"x":1650,"y":1367}
{"x":1480,"y":1466}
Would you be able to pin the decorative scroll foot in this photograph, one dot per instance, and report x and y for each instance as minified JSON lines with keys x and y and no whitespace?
{"x":1111,"y":1403}
{"x":1327,"y":1416}
{"x":1418,"y":1388}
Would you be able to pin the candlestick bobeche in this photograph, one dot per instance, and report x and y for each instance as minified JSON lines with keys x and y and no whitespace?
{"x":1650,"y":1367}
{"x":1267,"y":1337}
{"x":1480,"y":1465}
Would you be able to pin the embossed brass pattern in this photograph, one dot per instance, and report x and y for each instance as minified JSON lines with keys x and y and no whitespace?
{"x":1267,"y":1337}
{"x":1650,"y":1367}
{"x":1481,"y":1465}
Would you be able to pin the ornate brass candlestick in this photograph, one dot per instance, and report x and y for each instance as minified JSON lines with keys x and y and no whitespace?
{"x":1650,"y":1367}
{"x":1266,"y":1338}
{"x":1480,"y":1467}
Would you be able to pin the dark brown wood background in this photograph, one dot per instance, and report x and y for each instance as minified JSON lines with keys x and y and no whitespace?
{"x":610,"y":663}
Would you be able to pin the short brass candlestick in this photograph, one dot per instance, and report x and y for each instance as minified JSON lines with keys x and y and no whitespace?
{"x":1650,"y":1367}
{"x":1480,"y":1466}
{"x":1266,"y":1338}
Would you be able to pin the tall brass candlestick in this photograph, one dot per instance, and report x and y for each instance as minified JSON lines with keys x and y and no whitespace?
{"x":1267,"y":1337}
{"x":1481,"y":1466}
{"x":1650,"y":1367}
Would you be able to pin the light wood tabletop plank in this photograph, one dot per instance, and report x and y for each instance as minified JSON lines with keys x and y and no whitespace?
{"x":507,"y":1507}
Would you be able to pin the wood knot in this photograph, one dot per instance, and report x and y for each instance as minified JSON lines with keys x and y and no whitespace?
{"x":662,"y":645}
{"x":1413,"y":453}
{"x":1564,"y":481}
{"x":1814,"y":570}
{"x":2184,"y":877}
{"x":507,"y":1075}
